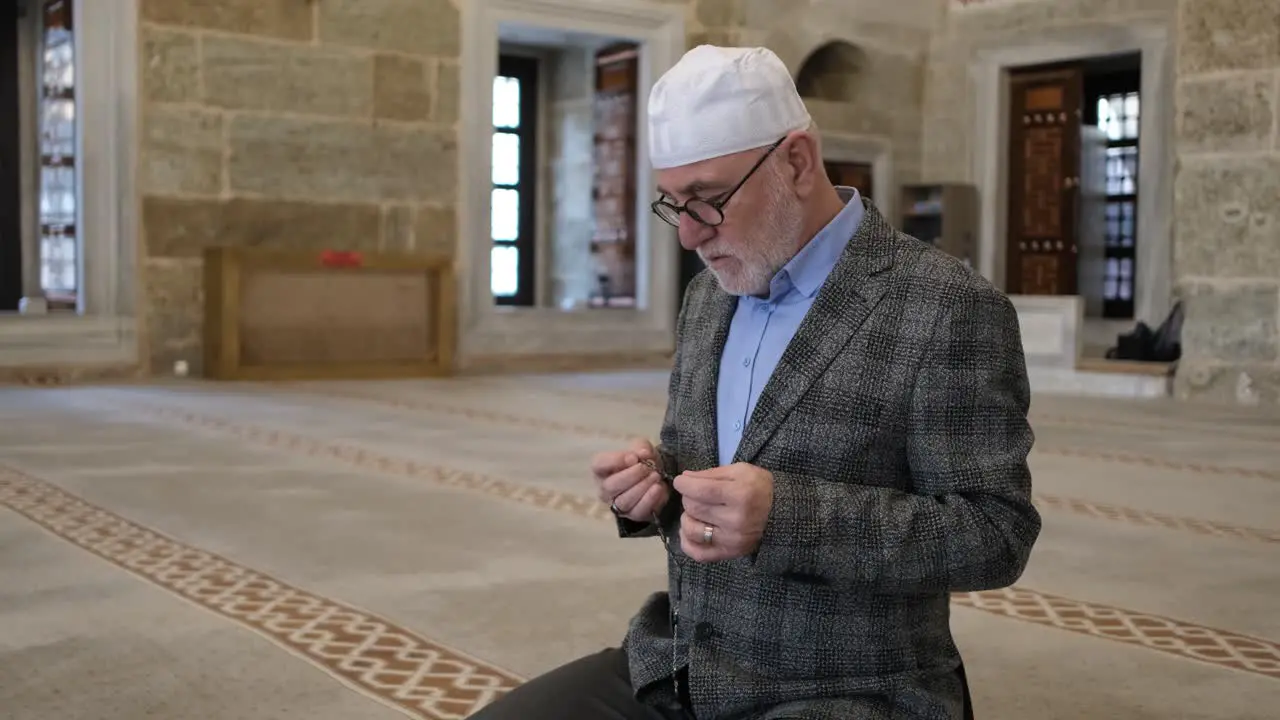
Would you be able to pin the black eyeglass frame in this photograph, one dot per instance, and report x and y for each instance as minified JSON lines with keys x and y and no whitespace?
{"x":662,"y":208}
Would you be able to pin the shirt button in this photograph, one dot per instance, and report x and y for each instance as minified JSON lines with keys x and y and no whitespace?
{"x":746,"y":362}
{"x":737,"y":424}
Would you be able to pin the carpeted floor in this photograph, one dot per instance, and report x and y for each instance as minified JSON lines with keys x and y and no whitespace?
{"x":378,"y":550}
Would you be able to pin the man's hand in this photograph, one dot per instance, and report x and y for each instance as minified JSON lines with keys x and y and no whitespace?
{"x":635,"y":491}
{"x":732,"y":501}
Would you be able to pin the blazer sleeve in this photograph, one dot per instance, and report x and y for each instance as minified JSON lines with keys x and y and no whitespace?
{"x":968,"y":522}
{"x":667,"y":443}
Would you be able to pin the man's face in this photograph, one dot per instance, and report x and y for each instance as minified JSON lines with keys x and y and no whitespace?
{"x":762,"y":220}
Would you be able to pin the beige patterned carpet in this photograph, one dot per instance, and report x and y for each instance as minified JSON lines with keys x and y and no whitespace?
{"x":379,"y":550}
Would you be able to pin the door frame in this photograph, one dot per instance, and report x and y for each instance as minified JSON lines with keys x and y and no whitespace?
{"x":105,"y":332}
{"x":872,"y":150}
{"x":989,"y":73}
{"x":489,"y":334}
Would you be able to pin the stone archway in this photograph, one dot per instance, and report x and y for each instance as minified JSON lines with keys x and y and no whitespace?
{"x":829,"y":78}
{"x":831,"y":72}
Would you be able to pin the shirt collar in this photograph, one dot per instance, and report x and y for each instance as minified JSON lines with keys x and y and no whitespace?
{"x":809,"y":268}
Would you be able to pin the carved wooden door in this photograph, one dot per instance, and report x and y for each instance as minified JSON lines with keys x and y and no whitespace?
{"x":854,"y":175}
{"x":1044,"y":182}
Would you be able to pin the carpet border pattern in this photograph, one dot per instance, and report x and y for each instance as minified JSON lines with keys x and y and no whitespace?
{"x":1189,"y":640}
{"x":410,"y":673}
{"x":1078,"y":506}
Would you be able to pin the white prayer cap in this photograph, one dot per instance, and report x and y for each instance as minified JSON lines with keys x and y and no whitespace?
{"x":721,"y":100}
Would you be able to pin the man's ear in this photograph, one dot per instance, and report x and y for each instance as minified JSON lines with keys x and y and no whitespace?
{"x":802,"y":155}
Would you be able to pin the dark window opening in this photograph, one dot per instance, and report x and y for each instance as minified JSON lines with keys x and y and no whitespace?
{"x":10,"y":153}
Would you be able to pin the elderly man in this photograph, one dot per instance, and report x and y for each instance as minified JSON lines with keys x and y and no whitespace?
{"x":845,"y":442}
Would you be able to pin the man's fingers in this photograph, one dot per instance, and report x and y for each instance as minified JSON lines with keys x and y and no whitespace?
{"x":724,"y":543}
{"x":628,"y":500}
{"x":605,"y":464}
{"x":655,"y":496}
{"x":716,"y":515}
{"x":622,"y":481}
{"x":707,"y":490}
{"x":692,"y":530}
{"x":642,"y":448}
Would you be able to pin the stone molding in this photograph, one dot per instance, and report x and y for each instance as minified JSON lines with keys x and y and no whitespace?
{"x":988,"y":71}
{"x":871,"y":149}
{"x":107,"y":114}
{"x":487,"y":330}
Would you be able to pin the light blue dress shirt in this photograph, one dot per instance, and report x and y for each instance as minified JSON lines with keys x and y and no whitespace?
{"x":762,"y":328}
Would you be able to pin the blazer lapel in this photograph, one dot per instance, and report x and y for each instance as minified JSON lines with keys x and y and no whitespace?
{"x":844,"y":303}
{"x":705,"y":333}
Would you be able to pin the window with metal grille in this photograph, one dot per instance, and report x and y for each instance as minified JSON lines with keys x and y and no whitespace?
{"x":1118,"y":116}
{"x":512,"y":226}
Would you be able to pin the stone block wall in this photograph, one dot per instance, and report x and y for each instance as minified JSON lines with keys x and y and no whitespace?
{"x":317,"y":124}
{"x":1226,"y":210}
{"x":947,"y":150}
{"x":332,"y":124}
{"x":1227,"y":199}
{"x":869,"y":57}
{"x":881,"y":98}
{"x":715,"y":22}
{"x":291,"y":125}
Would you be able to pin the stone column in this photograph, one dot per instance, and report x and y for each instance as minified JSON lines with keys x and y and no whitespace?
{"x":1227,"y":212}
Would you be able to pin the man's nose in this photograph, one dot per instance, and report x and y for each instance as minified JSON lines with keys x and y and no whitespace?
{"x":693,"y":233}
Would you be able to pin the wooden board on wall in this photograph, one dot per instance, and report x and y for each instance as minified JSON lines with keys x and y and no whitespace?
{"x":1044,"y":176}
{"x":613,"y":245}
{"x":295,"y":315}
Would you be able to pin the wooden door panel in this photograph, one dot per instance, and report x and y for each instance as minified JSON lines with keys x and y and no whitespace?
{"x":1044,"y":168}
{"x":1042,"y":183}
{"x":854,"y":175}
{"x":1040,"y":274}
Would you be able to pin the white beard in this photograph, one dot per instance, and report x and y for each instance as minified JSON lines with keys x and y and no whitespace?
{"x":766,"y":247}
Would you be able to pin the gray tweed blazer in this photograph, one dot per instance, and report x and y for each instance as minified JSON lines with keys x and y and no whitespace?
{"x":896,"y":429}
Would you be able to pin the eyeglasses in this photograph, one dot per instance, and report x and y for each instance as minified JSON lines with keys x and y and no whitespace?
{"x":707,"y":212}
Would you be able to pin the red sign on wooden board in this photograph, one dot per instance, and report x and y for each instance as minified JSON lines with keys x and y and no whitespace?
{"x":341,"y":259}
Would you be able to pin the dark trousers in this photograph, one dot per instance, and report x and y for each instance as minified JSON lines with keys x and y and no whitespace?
{"x":596,"y":687}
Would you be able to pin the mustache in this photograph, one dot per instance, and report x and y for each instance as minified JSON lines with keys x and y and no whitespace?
{"x":705,"y":252}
